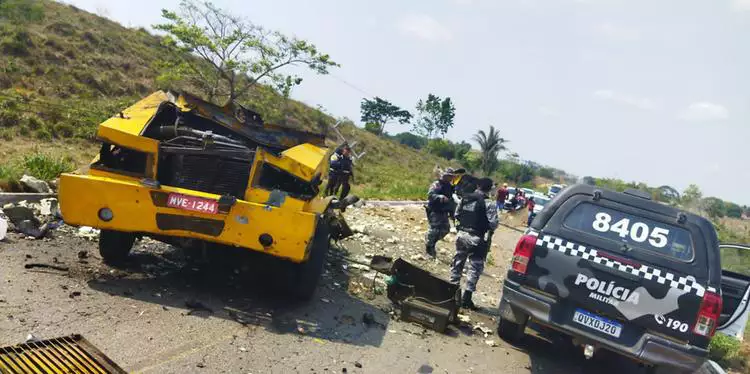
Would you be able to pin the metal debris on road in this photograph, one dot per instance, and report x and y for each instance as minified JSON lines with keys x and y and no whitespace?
{"x":46,"y":266}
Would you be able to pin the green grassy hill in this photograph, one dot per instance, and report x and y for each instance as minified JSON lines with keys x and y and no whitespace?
{"x":65,"y":70}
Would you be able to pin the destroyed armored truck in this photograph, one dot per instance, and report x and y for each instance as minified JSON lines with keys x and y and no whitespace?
{"x":190,"y":173}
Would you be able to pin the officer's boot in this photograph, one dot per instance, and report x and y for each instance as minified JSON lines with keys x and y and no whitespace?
{"x":431,"y":251}
{"x":467,"y":303}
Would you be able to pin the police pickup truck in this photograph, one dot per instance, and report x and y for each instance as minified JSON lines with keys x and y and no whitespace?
{"x":622,"y":272}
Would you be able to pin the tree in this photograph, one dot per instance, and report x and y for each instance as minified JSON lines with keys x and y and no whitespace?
{"x":378,"y":112}
{"x":472,"y":160}
{"x":733,"y":210}
{"x":691,"y":195}
{"x":515,"y":172}
{"x":441,"y":148}
{"x":588,"y":180}
{"x":435,"y":116}
{"x":490,"y":145}
{"x":668,"y":194}
{"x":225,"y":55}
{"x":546,"y":172}
{"x":714,"y":207}
{"x":411,"y":140}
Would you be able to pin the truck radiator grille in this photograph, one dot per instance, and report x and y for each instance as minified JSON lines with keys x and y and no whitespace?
{"x":207,"y":173}
{"x":70,"y":354}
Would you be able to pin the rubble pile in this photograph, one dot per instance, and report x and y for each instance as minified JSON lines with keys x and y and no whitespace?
{"x":33,"y":219}
{"x":399,"y":232}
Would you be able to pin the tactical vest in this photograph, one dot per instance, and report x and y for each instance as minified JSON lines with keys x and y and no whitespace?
{"x":443,"y":207}
{"x":472,"y":214}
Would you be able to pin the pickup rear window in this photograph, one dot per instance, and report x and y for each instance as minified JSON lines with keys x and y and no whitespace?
{"x":632,"y":230}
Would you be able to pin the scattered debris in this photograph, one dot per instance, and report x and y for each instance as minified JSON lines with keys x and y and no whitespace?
{"x":34,"y":184}
{"x":49,"y":207}
{"x":491,"y":343}
{"x":46,"y":266}
{"x":31,"y":339}
{"x":3,"y":227}
{"x":82,"y":255}
{"x":88,"y":232}
{"x":484,"y":330}
{"x":74,"y":294}
{"x":464,"y":318}
{"x":200,"y":365}
{"x":357,"y":365}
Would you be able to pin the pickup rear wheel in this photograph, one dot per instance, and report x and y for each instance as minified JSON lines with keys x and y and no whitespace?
{"x":114,"y":246}
{"x":305,"y":276}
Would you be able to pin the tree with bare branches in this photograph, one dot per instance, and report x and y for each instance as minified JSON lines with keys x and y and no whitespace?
{"x":225,"y":55}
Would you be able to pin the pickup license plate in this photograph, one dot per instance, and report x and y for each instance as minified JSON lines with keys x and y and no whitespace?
{"x":192,"y":203}
{"x":597,"y":323}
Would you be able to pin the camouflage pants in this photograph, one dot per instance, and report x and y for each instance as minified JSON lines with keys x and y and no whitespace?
{"x":475,"y":249}
{"x":439,"y":228}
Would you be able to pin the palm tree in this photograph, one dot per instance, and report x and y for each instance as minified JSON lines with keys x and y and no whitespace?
{"x":490,"y":144}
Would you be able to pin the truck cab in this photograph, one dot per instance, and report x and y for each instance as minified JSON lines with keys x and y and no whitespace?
{"x":191,"y":173}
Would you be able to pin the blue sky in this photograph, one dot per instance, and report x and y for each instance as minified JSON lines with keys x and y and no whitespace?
{"x":648,"y":90}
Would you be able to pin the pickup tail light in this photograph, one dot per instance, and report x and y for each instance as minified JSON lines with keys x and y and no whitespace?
{"x":522,"y":254}
{"x":708,"y":315}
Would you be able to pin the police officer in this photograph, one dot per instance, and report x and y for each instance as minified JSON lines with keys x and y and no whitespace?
{"x":339,"y":172}
{"x":439,"y":208}
{"x":476,"y":223}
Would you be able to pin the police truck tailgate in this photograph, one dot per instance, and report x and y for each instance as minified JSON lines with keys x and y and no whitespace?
{"x":619,"y":271}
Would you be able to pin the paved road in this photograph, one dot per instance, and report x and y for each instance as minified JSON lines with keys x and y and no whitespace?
{"x":139,"y":317}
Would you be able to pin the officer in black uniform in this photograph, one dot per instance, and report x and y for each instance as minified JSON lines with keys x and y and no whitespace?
{"x":340,"y":171}
{"x":439,"y":208}
{"x":476,"y":223}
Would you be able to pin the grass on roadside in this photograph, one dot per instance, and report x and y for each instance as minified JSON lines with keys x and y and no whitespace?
{"x":38,"y":164}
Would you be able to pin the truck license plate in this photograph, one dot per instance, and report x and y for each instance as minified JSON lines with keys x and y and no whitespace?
{"x":192,"y":203}
{"x":597,"y":323}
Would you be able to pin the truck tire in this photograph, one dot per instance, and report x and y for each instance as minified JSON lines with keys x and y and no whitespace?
{"x":114,"y":246}
{"x":306,"y":275}
{"x":509,"y":331}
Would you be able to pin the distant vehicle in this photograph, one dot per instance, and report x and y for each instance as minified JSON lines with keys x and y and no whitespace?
{"x":539,"y":202}
{"x":528,"y":192}
{"x":621,"y":272}
{"x":554,"y":190}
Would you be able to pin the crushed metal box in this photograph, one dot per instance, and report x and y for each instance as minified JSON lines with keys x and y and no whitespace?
{"x":429,"y":315}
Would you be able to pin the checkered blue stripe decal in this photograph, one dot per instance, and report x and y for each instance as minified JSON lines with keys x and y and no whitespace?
{"x":569,"y":248}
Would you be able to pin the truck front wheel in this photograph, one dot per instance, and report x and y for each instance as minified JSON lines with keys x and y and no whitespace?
{"x":114,"y":246}
{"x":305,"y":276}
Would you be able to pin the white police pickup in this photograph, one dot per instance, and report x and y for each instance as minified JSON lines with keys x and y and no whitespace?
{"x":621,"y":272}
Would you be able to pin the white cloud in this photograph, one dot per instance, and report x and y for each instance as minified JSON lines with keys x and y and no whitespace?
{"x":618,"y":32}
{"x":704,"y":111}
{"x":643,"y":103}
{"x":424,"y":27}
{"x":741,"y":5}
